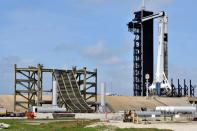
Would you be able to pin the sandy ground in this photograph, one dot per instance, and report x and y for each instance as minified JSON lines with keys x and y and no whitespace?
{"x":184,"y":126}
{"x":117,"y":103}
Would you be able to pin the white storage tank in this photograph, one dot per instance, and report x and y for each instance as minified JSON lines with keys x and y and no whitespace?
{"x":176,"y":109}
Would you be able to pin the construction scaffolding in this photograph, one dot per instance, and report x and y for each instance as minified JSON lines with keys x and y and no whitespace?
{"x":28,"y":86}
{"x":87,"y":81}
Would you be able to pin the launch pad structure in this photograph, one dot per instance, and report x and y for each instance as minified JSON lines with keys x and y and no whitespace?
{"x":142,"y":27}
{"x":77,"y":88}
{"x":28,"y":84}
{"x":142,"y":52}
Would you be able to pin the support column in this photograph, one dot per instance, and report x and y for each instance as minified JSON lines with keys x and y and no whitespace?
{"x":103,"y":97}
{"x":96,"y":106}
{"x":15,"y":87}
{"x":84,"y":83}
{"x":54,"y":97}
{"x":39,"y":85}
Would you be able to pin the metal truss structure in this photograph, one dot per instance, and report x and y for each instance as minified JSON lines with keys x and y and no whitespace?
{"x":142,"y":51}
{"x":182,"y":90}
{"x":28,"y":86}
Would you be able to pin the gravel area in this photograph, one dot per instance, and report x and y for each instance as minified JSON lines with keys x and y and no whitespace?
{"x":181,"y":126}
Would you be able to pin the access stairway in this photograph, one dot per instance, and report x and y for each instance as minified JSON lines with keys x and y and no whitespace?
{"x":69,"y":92}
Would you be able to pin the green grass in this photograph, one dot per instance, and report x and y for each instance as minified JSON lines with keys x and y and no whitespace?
{"x":22,"y":125}
{"x":142,"y":129}
{"x":111,"y":128}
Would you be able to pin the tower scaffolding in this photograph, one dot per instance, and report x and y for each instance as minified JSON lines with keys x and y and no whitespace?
{"x":29,"y":90}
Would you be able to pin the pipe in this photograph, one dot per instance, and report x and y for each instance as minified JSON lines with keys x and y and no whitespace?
{"x":38,"y":109}
{"x":176,"y":109}
{"x":148,"y":113}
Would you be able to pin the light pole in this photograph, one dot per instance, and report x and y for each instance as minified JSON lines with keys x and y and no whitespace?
{"x":147,"y":77}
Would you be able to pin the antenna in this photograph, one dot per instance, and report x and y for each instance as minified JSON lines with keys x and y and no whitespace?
{"x":143,"y":5}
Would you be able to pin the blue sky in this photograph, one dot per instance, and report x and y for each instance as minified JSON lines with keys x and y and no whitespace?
{"x":91,"y":33}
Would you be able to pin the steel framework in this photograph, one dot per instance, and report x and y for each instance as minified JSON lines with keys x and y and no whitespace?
{"x":142,"y":51}
{"x":182,"y":91}
{"x":28,"y":86}
{"x":137,"y":60}
{"x":87,"y":81}
{"x":69,"y":92}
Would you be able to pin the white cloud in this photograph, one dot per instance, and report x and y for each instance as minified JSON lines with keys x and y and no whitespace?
{"x":98,"y":53}
{"x":113,"y":60}
{"x":102,"y":54}
{"x":95,"y":50}
{"x":112,"y":67}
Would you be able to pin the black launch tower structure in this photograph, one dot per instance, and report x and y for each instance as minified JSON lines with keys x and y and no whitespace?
{"x":142,"y":51}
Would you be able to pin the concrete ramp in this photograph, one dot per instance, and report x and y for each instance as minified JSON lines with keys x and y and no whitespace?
{"x":70,"y":93}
